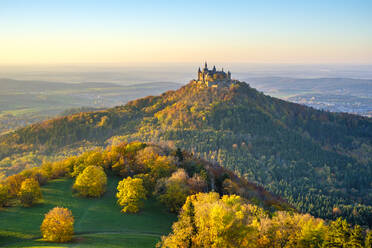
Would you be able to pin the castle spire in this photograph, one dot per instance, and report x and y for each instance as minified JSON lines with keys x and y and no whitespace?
{"x":199,"y":69}
{"x":206,"y":66}
{"x":214,"y":68}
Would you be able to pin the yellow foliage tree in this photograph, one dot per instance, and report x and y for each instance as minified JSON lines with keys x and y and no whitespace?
{"x":206,"y":220}
{"x":91,"y":182}
{"x":58,"y":225}
{"x":29,"y":192}
{"x":131,"y":194}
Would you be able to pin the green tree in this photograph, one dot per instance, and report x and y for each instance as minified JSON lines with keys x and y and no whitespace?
{"x":4,"y":194}
{"x":29,"y":192}
{"x":131,"y":194}
{"x":91,"y":182}
{"x":179,"y":155}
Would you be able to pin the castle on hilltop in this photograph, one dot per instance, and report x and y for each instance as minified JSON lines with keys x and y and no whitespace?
{"x":213,"y":78}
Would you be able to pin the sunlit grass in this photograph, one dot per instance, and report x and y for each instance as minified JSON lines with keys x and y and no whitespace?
{"x":97,"y":221}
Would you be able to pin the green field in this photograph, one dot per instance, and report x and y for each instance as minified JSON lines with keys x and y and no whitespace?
{"x":98,"y":222}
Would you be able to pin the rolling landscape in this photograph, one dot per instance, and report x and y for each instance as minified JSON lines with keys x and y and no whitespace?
{"x":185,"y":124}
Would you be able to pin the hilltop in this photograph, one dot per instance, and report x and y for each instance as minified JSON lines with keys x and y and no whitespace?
{"x":319,"y":161}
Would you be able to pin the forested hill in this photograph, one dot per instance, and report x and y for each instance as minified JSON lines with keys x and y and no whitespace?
{"x":320,"y":161}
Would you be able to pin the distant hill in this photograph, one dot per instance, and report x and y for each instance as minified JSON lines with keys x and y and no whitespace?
{"x":319,"y":161}
{"x":25,"y":102}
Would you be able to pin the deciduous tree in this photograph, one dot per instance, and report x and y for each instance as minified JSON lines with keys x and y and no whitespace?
{"x":29,"y":192}
{"x":91,"y":182}
{"x":131,"y":194}
{"x":58,"y":225}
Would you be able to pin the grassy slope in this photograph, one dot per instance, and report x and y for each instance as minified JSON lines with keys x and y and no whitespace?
{"x":98,"y":222}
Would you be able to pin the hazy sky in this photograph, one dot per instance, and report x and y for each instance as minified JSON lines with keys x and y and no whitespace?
{"x":276,"y":31}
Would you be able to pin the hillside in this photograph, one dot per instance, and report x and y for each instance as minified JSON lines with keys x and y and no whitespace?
{"x":167,"y":177}
{"x":98,"y":221}
{"x":24,"y":102}
{"x":319,"y":161}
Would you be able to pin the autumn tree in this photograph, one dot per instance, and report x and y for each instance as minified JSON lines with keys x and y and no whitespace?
{"x":131,"y":194}
{"x":14,"y":184}
{"x":337,"y":234}
{"x":37,"y":173}
{"x":29,"y":192}
{"x":356,"y":237}
{"x":173,"y":191}
{"x":368,"y":239}
{"x":206,"y":220}
{"x":4,"y":194}
{"x":90,"y":158}
{"x":56,"y":169}
{"x":58,"y":225}
{"x":91,"y":182}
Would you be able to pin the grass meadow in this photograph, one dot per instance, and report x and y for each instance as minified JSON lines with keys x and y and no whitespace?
{"x":98,"y":222}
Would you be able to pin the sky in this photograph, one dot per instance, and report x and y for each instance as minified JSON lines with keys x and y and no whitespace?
{"x":150,"y":32}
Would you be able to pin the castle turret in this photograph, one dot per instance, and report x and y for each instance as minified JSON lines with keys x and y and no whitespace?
{"x":214,"y":68}
{"x":229,"y":75}
{"x":206,"y":66}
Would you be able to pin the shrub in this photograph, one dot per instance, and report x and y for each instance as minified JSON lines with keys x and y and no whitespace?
{"x":29,"y":192}
{"x":91,"y":182}
{"x":130,"y":195}
{"x":58,"y":225}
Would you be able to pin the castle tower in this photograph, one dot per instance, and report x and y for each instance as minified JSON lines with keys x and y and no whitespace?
{"x":206,"y":66}
{"x":229,"y":75}
{"x":214,"y":68}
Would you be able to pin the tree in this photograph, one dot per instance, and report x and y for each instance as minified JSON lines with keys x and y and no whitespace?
{"x":4,"y":195}
{"x":179,"y":155}
{"x":337,"y":235}
{"x":14,"y":183}
{"x":174,"y":196}
{"x":131,"y":194}
{"x":37,"y":173}
{"x":368,"y":239}
{"x":206,"y":220}
{"x":58,"y":225}
{"x":183,"y":230}
{"x":91,"y":182}
{"x":29,"y":192}
{"x":173,"y":191}
{"x":356,"y":237}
